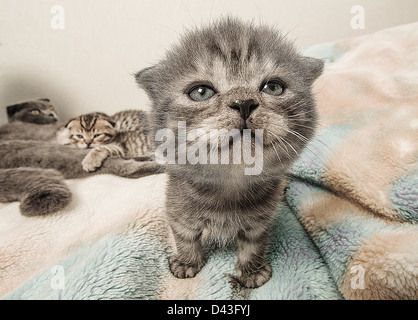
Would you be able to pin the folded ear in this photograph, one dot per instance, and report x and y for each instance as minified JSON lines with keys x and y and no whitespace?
{"x":45,"y":99}
{"x":146,"y":79}
{"x":112,"y":123}
{"x":11,"y":110}
{"x":67,"y":125}
{"x":313,"y":68}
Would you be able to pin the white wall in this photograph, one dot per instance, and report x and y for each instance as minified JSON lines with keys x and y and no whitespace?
{"x":88,"y":65}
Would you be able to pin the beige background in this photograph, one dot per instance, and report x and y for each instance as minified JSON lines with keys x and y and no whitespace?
{"x":88,"y":65}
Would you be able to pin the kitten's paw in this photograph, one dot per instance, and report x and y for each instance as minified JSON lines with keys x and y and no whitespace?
{"x":183,"y":270}
{"x":91,"y":163}
{"x":253,"y":279}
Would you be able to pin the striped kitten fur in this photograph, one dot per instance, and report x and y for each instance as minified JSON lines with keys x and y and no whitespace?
{"x":125,"y":134}
{"x":87,"y":131}
{"x":231,"y":75}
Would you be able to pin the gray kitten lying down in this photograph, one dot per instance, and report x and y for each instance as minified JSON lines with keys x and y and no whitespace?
{"x":33,"y":169}
{"x":231,"y":75}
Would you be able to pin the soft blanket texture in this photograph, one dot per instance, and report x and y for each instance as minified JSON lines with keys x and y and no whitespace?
{"x":348,"y":228}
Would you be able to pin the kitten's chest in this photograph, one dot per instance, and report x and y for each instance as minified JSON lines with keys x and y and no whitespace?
{"x":221,"y":182}
{"x":222,"y":188}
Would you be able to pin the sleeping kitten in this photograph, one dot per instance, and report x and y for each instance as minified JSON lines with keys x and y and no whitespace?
{"x":87,"y":131}
{"x":131,"y":140}
{"x":35,"y":111}
{"x":125,"y":134}
{"x":234,"y":76}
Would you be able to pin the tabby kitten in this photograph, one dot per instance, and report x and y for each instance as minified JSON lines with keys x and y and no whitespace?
{"x":87,"y":131}
{"x":131,"y":140}
{"x":231,"y":75}
{"x":39,"y":111}
{"x":125,"y":134}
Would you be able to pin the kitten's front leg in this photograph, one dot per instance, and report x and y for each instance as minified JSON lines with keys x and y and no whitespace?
{"x":94,"y":159}
{"x":253,"y":269}
{"x":189,"y":259}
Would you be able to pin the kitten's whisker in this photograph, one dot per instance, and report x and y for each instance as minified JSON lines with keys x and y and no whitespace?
{"x":315,"y":155}
{"x":272,"y":144}
{"x":306,"y":115}
{"x":294,"y":123}
{"x":301,"y":114}
{"x":260,"y":19}
{"x":306,"y":140}
{"x":299,"y":119}
{"x":297,"y":134}
{"x":318,"y":124}
{"x":284,"y":140}
{"x":279,"y":145}
{"x":303,"y":138}
{"x":295,"y":105}
{"x":191,"y":17}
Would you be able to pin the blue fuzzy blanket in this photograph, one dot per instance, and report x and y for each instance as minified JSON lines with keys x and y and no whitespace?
{"x":346,"y":230}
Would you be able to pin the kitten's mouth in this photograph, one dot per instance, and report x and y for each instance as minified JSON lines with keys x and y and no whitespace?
{"x":245,"y":124}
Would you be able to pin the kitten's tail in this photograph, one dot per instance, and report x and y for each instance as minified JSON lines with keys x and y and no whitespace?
{"x":40,"y":191}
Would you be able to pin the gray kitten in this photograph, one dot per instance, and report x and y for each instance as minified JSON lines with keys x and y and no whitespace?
{"x":231,"y":75}
{"x":39,"y":111}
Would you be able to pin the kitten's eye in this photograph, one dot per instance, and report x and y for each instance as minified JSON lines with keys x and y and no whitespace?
{"x":201,"y":93}
{"x":51,"y":108}
{"x":273,"y":88}
{"x":79,"y":136}
{"x":97,"y":135}
{"x":35,"y":111}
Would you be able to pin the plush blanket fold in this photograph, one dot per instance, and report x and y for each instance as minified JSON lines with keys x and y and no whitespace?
{"x":347,"y":229}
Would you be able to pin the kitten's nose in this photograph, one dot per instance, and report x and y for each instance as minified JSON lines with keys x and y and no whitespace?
{"x":245,"y":107}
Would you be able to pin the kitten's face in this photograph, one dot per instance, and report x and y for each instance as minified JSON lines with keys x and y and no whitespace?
{"x":89,"y":131}
{"x":38,"y":111}
{"x":236,"y":76}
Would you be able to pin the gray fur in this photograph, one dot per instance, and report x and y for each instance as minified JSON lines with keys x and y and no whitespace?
{"x":67,"y":160}
{"x":40,"y":191}
{"x":28,"y":131}
{"x":236,"y":59}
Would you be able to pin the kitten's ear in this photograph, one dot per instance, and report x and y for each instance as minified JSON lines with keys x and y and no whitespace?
{"x":146,"y":80}
{"x":11,"y":110}
{"x":112,"y":123}
{"x":67,"y":125}
{"x":44,"y":99}
{"x":313,"y":67}
{"x":105,"y":117}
